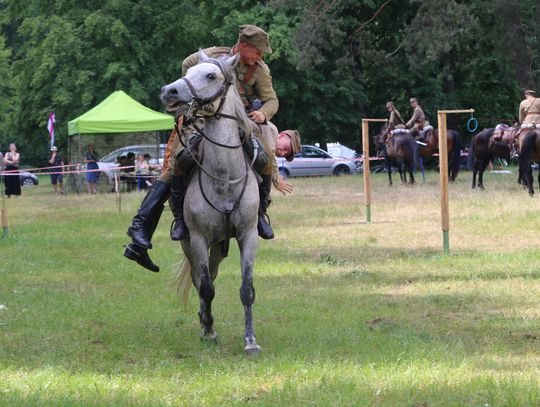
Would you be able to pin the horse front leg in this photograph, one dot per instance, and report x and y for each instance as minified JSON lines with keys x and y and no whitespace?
{"x":248,"y":247}
{"x":203,"y":281}
{"x":389,"y":170}
{"x":411,"y":174}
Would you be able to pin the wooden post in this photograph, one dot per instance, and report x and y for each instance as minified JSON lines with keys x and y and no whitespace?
{"x":443,"y":174}
{"x":5,"y":226}
{"x":118,"y":194}
{"x":367,"y":181}
{"x":365,"y":151}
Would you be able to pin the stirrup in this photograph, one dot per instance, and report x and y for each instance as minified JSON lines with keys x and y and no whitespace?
{"x":265,"y":234}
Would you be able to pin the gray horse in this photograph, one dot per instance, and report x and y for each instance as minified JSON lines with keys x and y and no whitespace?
{"x":222,"y":198}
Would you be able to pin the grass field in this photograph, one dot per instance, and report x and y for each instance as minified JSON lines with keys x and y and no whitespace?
{"x":347,"y":313}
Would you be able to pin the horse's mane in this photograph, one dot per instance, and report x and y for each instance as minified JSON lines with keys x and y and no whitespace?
{"x":248,"y":125}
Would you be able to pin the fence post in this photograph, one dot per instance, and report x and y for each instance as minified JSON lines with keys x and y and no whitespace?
{"x":443,"y":174}
{"x":365,"y":153}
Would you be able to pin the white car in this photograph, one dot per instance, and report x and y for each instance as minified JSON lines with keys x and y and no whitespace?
{"x":108,"y":164}
{"x":314,"y":161}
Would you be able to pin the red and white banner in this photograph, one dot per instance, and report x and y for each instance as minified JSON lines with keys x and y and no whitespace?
{"x":50,"y":127}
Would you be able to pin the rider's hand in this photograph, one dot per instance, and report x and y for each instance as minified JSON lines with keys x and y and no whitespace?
{"x":283,"y":186}
{"x":257,"y":116}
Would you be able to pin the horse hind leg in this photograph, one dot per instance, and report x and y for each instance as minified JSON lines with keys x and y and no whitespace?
{"x":475,"y":171}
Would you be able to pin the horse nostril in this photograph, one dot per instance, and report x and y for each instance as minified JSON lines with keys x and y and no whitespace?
{"x":173,"y":91}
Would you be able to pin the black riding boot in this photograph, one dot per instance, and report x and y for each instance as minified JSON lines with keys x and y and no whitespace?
{"x":179,"y":230}
{"x":143,"y":224}
{"x":263,"y":227}
{"x":140,"y":254}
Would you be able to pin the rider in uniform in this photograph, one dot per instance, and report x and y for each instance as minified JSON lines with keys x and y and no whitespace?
{"x":254,"y":82}
{"x":529,"y":111}
{"x":417,"y":121}
{"x":395,"y":117}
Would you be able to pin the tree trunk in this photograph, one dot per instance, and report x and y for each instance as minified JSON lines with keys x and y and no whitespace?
{"x":518,"y":52}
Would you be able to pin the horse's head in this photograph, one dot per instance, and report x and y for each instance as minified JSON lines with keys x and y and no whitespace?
{"x":380,"y":139}
{"x":203,"y":86}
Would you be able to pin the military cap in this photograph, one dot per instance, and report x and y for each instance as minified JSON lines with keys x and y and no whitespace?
{"x":255,"y":36}
{"x":296,"y":145}
{"x":413,"y":100}
{"x":530,"y":92}
{"x":389,"y":104}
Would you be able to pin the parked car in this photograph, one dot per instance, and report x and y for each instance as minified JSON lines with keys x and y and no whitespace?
{"x":339,"y":150}
{"x":28,"y":179}
{"x":108,"y":164}
{"x":314,"y":161}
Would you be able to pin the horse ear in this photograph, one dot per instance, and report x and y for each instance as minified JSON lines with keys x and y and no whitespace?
{"x":233,"y":61}
{"x":202,"y":56}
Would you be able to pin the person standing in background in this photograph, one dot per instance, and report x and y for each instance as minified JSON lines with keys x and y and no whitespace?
{"x":57,"y":170}
{"x":12,"y":180}
{"x":91,"y":159}
{"x":142,"y":170}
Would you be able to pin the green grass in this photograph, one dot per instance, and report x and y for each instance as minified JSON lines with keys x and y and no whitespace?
{"x":347,"y":313}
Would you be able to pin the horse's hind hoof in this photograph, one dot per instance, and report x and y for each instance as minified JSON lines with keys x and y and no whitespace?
{"x":252,"y":350}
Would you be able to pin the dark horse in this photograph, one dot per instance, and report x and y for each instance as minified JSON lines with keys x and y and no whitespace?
{"x":400,"y":150}
{"x":430,"y":138}
{"x":529,"y":151}
{"x":482,"y":151}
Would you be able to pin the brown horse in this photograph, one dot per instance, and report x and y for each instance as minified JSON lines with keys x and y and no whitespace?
{"x":429,"y":145}
{"x":484,"y":149}
{"x":529,"y":151}
{"x":398,"y":149}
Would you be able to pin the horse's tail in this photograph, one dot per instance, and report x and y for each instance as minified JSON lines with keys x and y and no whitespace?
{"x":183,"y":280}
{"x":527,"y":149}
{"x":470,"y":155}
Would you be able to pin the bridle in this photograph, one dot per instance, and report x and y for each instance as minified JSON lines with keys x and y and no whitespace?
{"x":197,"y":105}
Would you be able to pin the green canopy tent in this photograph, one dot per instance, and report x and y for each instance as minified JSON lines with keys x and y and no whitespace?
{"x":117,"y":121}
{"x":119,"y":113}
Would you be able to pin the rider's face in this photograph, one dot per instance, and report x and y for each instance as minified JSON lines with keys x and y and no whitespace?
{"x":283,"y":145}
{"x":249,"y":54}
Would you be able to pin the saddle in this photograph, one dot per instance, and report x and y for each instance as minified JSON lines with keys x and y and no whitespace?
{"x":422,"y":134}
{"x":504,"y":133}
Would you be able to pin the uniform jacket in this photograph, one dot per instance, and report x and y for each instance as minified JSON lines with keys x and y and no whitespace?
{"x":259,"y":86}
{"x":395,"y":119}
{"x":529,"y":111}
{"x":417,"y":117}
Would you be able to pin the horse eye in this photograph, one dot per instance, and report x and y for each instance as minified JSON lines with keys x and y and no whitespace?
{"x":211,"y":76}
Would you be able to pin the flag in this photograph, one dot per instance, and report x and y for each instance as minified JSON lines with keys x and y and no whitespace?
{"x":50,"y":127}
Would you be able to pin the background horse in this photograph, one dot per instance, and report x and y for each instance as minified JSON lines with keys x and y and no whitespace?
{"x":222,"y":197}
{"x":400,"y":150}
{"x":483,"y":150}
{"x":431,"y":139}
{"x":529,"y":151}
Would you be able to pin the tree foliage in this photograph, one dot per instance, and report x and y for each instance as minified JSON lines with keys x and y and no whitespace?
{"x":334,"y":61}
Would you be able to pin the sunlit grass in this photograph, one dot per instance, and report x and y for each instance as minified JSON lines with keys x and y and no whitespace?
{"x":347,"y":313}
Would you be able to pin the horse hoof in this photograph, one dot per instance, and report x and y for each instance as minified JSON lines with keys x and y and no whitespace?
{"x":252,"y":350}
{"x":209,"y":336}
